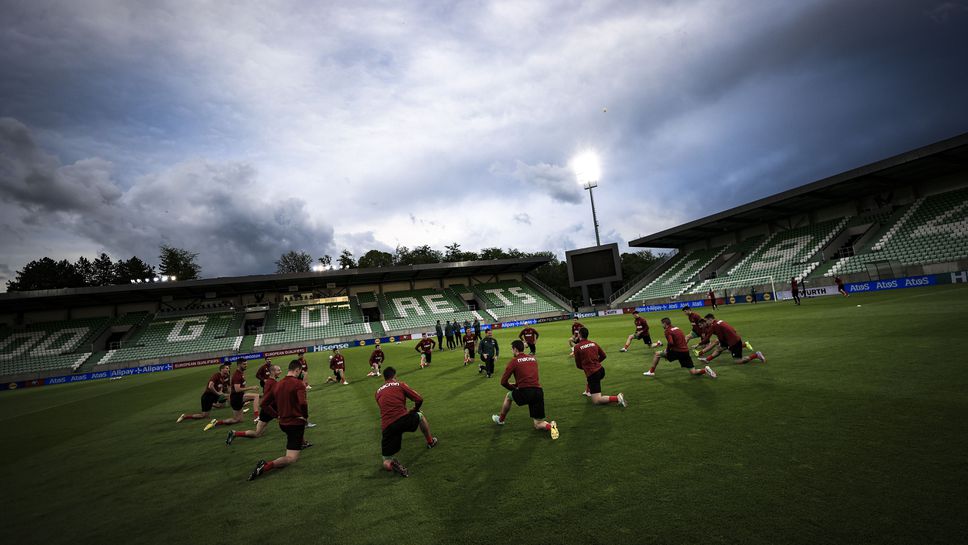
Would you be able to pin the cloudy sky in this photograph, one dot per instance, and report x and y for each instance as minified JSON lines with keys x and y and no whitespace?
{"x":244,"y":129}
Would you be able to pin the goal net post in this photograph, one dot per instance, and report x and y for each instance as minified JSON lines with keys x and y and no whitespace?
{"x":741,"y":288}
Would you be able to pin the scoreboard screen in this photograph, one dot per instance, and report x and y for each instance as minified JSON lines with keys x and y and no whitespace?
{"x":594,"y":265}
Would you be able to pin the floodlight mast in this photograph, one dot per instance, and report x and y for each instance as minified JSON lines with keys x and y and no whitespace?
{"x":588,"y":173}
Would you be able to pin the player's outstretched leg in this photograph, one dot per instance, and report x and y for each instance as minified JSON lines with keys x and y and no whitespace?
{"x":628,"y":342}
{"x":655,"y":363}
{"x":505,"y":407}
{"x":599,"y":399}
{"x":425,"y":428}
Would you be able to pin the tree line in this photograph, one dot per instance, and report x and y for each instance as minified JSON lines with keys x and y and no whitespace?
{"x":47,"y":273}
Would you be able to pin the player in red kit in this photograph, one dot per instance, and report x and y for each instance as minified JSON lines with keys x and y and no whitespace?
{"x":575,"y":337}
{"x":677,"y":350}
{"x":376,"y":360}
{"x":470,"y":343}
{"x":641,"y":333}
{"x":396,"y":419}
{"x":288,"y":397}
{"x":694,"y":320}
{"x":240,"y":394}
{"x":840,"y":286}
{"x":530,"y":337}
{"x":795,"y":290}
{"x":338,"y":365}
{"x":210,"y":395}
{"x":267,"y":413}
{"x":712,"y":299}
{"x":263,"y":373}
{"x":526,"y":390}
{"x":305,"y":369}
{"x":425,"y":346}
{"x":589,"y":357}
{"x":730,"y":340}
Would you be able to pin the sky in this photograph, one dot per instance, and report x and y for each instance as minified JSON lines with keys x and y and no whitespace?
{"x":241,"y":130}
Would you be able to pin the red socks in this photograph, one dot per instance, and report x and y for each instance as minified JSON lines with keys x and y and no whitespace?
{"x":220,"y":423}
{"x":241,"y":434}
{"x":501,"y":417}
{"x":701,"y":372}
{"x":652,"y":370}
{"x":613,"y":399}
{"x":547,"y":426}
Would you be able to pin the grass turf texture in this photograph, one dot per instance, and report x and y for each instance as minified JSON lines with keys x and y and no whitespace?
{"x":853,"y":432}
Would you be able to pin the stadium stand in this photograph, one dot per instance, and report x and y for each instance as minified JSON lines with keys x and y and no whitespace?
{"x":298,"y":323}
{"x":165,"y":337}
{"x":934,"y":229}
{"x":415,"y":309}
{"x":512,"y":298}
{"x":680,"y":275}
{"x":48,"y":346}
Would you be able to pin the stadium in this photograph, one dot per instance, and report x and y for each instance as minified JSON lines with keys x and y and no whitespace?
{"x":847,"y":434}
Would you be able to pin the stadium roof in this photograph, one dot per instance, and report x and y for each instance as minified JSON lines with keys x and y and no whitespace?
{"x":935,"y":160}
{"x":231,"y":286}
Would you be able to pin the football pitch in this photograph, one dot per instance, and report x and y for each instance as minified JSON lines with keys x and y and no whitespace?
{"x":854,"y":431}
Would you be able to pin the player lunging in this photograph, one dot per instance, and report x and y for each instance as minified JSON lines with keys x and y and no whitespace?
{"x":210,"y":395}
{"x":677,"y":350}
{"x":470,"y":342}
{"x":288,"y":396}
{"x":641,"y":333}
{"x":694,"y":321}
{"x":589,"y":357}
{"x":338,"y":365}
{"x":425,"y":347}
{"x":238,"y":398}
{"x":730,"y":340}
{"x":530,"y":337}
{"x":266,"y":413}
{"x":396,"y":419}
{"x":526,"y":390}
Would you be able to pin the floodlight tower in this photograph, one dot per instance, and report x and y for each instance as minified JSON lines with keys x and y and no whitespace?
{"x":588,"y":173}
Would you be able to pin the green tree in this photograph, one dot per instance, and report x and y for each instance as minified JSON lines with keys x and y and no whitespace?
{"x":178,"y":262}
{"x":46,"y":274}
{"x":376,"y":258}
{"x":85,"y":269}
{"x":294,"y":262}
{"x":103,"y":271}
{"x":346,"y":260}
{"x":421,"y":255}
{"x":454,"y":253}
{"x":493,"y":253}
{"x":326,"y":261}
{"x":132,"y":269}
{"x":635,"y":263}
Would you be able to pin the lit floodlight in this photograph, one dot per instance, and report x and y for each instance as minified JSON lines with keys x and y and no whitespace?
{"x":157,"y":279}
{"x":164,"y":278}
{"x":319,"y":267}
{"x":146,"y":280}
{"x":172,"y":278}
{"x":587,"y":169}
{"x":132,"y":281}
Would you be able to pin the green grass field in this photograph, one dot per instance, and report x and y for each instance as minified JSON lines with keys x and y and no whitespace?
{"x":855,"y":431}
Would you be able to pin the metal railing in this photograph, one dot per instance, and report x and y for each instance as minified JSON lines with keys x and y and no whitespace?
{"x":630,"y":284}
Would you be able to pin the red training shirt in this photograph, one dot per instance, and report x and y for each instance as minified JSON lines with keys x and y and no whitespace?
{"x":376,"y":356}
{"x":676,"y":339}
{"x":238,"y":378}
{"x":529,"y":334}
{"x":589,"y":357}
{"x":725,"y":332}
{"x":337,"y":362}
{"x":268,"y":409}
{"x":425,"y":345}
{"x":263,"y":372}
{"x":470,"y":341}
{"x":575,"y":327}
{"x":217,"y":381}
{"x":288,"y":396}
{"x":641,"y":326}
{"x":525,"y":370}
{"x":392,"y":399}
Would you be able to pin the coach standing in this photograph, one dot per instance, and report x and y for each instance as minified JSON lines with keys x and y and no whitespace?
{"x":440,"y":336}
{"x":489,"y":352}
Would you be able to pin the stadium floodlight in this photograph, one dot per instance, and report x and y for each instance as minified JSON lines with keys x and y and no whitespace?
{"x":588,"y":172}
{"x":172,"y":278}
{"x":146,"y":280}
{"x":318,"y":267}
{"x":132,"y":281}
{"x":164,"y":278}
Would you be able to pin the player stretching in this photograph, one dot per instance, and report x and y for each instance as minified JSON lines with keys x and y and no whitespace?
{"x":695,"y":320}
{"x":266,"y":413}
{"x":376,"y":360}
{"x":425,"y":347}
{"x":288,"y":397}
{"x":305,"y":369}
{"x":840,"y":286}
{"x":589,"y":357}
{"x":338,"y":365}
{"x":395,"y":419}
{"x":237,"y":398}
{"x":730,"y":340}
{"x":530,"y":337}
{"x":470,"y":342}
{"x":677,"y":350}
{"x":210,"y":395}
{"x":641,"y":332}
{"x":575,"y":337}
{"x":526,"y":390}
{"x":263,"y":373}
{"x":795,"y":290}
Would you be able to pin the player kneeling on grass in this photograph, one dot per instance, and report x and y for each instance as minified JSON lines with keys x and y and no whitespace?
{"x":237,"y":398}
{"x":425,"y":346}
{"x":589,"y":357}
{"x":730,"y":340}
{"x":376,"y":360}
{"x":210,"y":395}
{"x":288,"y":397}
{"x":526,"y":389}
{"x":396,"y":419}
{"x":338,"y":365}
{"x":641,"y":333}
{"x":677,"y":350}
{"x":267,"y":413}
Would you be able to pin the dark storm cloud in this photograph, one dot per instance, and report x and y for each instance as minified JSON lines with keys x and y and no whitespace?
{"x":214,"y":209}
{"x":556,"y":181}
